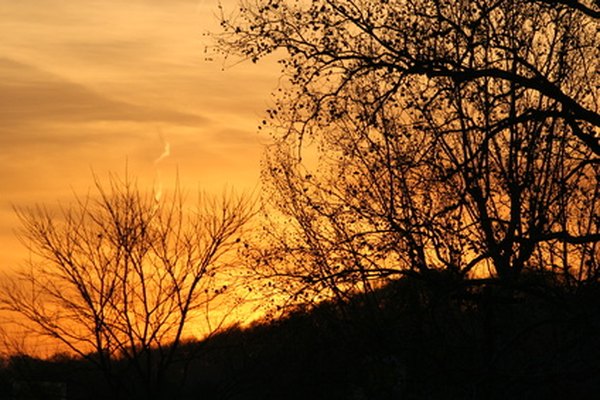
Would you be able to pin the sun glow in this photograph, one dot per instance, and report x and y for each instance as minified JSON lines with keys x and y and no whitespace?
{"x":88,"y":85}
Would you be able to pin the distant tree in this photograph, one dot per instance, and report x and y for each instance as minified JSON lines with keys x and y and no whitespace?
{"x":419,"y":136}
{"x":117,"y":276}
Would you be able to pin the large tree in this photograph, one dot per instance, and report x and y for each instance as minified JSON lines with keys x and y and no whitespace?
{"x":449,"y":135}
{"x":117,"y":276}
{"x":546,"y":47}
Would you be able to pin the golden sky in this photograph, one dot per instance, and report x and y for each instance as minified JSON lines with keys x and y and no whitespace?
{"x":95,"y":84}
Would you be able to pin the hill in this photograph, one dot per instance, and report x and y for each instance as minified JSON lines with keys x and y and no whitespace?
{"x":413,"y":339}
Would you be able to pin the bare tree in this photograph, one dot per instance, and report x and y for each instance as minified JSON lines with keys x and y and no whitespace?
{"x":118,"y":275}
{"x":455,"y":136}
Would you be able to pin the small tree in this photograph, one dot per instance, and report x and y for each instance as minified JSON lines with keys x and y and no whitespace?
{"x":118,"y":275}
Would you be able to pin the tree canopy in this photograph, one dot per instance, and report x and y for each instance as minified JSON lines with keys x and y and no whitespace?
{"x":457,"y":136}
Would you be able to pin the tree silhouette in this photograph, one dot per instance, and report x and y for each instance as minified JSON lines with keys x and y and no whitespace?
{"x":119,"y":274}
{"x":544,"y":48}
{"x":414,"y":137}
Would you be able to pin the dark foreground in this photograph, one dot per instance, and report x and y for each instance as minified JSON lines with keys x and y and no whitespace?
{"x":415,"y":339}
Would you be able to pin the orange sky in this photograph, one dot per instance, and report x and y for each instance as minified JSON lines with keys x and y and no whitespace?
{"x":91,"y":84}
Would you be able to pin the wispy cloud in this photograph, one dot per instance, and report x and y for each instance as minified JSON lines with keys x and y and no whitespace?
{"x":33,"y":96}
{"x":86,"y":84}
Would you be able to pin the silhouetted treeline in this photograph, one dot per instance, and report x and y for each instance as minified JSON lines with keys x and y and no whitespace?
{"x":415,"y":338}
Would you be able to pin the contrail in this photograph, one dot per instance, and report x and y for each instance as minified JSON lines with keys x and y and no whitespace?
{"x":166,"y":153}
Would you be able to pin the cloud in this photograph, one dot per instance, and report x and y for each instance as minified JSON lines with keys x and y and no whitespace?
{"x":86,"y":84}
{"x":31,"y":95}
{"x":121,"y":52}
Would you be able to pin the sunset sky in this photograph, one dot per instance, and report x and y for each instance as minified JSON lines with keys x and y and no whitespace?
{"x":95,"y":84}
